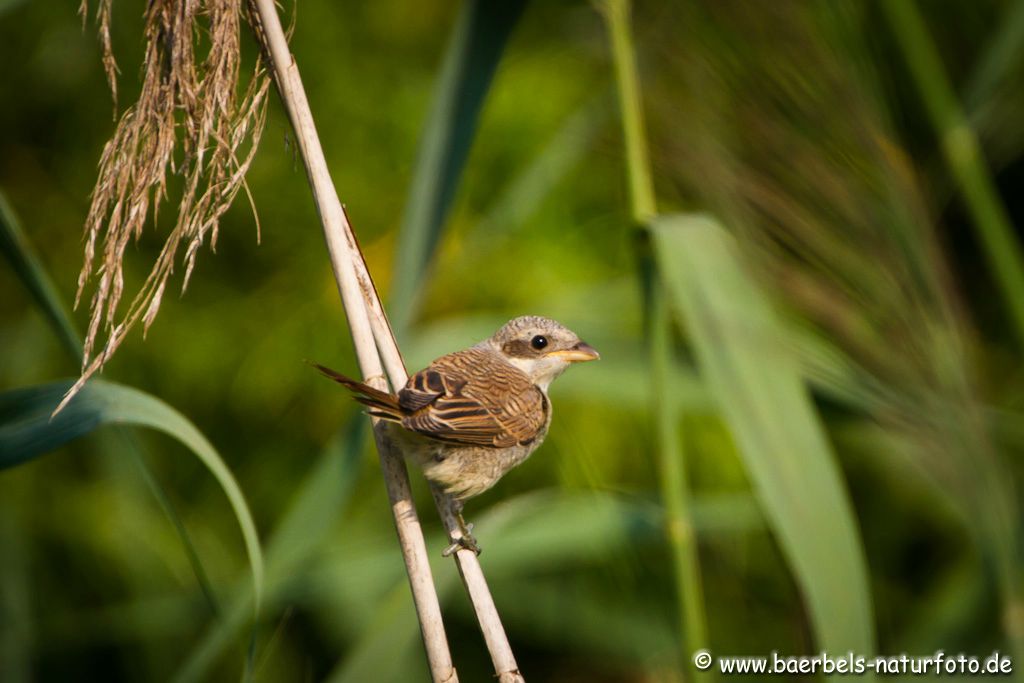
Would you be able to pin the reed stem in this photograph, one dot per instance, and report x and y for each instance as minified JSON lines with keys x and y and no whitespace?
{"x":963,"y":156}
{"x":378,"y":353}
{"x":344,"y":256}
{"x":679,"y":528}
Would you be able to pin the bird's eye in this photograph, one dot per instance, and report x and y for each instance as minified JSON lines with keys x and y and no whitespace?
{"x":539,"y":342}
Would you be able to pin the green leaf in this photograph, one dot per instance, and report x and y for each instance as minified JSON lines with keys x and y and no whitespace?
{"x":1002,"y":53}
{"x":472,"y":57}
{"x":314,"y":511}
{"x":27,"y":430}
{"x":747,"y":361}
{"x":8,"y":5}
{"x":964,"y":159}
{"x":15,"y":246}
{"x":121,"y":443}
{"x":519,"y":199}
{"x":573,"y":616}
{"x":523,"y":539}
{"x":541,"y":533}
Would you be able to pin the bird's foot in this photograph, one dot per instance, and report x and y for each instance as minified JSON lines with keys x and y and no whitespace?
{"x":466,"y":540}
{"x":463,"y":542}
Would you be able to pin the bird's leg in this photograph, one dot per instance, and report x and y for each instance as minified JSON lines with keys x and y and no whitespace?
{"x":466,"y":540}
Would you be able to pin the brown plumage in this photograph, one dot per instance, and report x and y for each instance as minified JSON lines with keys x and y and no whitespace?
{"x":469,"y":398}
{"x":472,"y":415}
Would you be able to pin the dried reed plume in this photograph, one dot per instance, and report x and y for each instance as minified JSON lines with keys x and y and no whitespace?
{"x":188,"y":121}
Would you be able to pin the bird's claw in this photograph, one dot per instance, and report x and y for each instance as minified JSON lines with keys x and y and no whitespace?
{"x":466,"y":541}
{"x":462,"y":543}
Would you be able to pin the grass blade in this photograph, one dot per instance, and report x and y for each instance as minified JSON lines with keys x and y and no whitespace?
{"x":1001,"y":55}
{"x":591,"y":623}
{"x":27,"y":431}
{"x":743,"y":356}
{"x":474,"y":51}
{"x":591,"y":528}
{"x":520,"y":199}
{"x":15,"y":245}
{"x":22,"y":257}
{"x":316,"y":507}
{"x":964,"y":159}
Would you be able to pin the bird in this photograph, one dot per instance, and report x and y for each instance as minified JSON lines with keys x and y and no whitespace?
{"x":471,"y":416}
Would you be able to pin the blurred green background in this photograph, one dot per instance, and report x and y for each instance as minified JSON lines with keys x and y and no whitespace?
{"x":805,"y":430}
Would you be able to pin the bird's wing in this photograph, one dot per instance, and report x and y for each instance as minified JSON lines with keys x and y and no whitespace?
{"x":474,"y":398}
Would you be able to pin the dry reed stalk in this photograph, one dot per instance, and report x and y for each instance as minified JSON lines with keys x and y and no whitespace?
{"x":344,"y":254}
{"x":372,"y":334}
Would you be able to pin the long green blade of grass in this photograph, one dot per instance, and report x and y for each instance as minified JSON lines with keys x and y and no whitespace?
{"x":963,"y":156}
{"x":472,"y":57}
{"x":28,"y":431}
{"x":540,"y":179}
{"x":16,"y":248}
{"x":8,"y":5}
{"x":743,"y":355}
{"x":316,"y":507}
{"x":572,"y":616}
{"x":1001,"y":55}
{"x":590,"y":528}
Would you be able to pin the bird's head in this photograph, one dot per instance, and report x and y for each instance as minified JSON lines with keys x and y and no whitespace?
{"x":540,"y":347}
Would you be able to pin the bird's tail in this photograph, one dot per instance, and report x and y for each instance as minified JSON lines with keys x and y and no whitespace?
{"x":380,"y":403}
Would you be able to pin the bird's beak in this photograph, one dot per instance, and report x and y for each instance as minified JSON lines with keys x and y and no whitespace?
{"x":580,"y":353}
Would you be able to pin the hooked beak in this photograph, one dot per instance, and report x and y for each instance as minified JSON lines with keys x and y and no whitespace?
{"x":580,"y":353}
